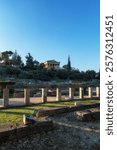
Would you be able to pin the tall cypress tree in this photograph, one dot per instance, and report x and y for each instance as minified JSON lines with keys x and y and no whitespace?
{"x":69,"y":64}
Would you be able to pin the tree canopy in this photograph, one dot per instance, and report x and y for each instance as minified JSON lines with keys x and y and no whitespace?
{"x":32,"y":69}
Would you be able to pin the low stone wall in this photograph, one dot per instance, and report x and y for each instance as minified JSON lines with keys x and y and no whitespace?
{"x":22,"y":132}
{"x":89,"y":115}
{"x":42,"y":113}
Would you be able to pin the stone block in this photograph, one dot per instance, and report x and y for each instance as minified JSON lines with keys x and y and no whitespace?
{"x":5,"y":97}
{"x":27,"y":96}
{"x":89,"y":114}
{"x":44,"y":95}
{"x":81,"y":92}
{"x":58,"y":94}
{"x":28,"y":119}
{"x":71,"y":93}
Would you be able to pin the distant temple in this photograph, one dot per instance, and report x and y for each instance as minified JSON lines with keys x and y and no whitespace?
{"x":51,"y":64}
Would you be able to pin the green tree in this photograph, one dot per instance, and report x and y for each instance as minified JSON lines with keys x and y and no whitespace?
{"x":65,"y":67}
{"x":13,"y":71}
{"x":29,"y":62}
{"x":62,"y":74}
{"x":36,"y":64}
{"x":41,"y":66}
{"x":69,"y":64}
{"x":5,"y":56}
{"x":16,"y":59}
{"x":98,"y":75}
{"x":90,"y":74}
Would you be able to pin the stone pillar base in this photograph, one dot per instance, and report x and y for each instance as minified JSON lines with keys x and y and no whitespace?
{"x":71,"y":93}
{"x":44,"y":95}
{"x":5,"y":97}
{"x":27,"y":96}
{"x":81,"y":93}
{"x":58,"y":94}
{"x":90,"y":92}
{"x":97,"y":91}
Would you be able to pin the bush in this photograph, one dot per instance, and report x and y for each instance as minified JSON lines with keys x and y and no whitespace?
{"x":13,"y":71}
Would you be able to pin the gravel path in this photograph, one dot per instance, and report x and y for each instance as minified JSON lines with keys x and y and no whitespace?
{"x":69,"y":134}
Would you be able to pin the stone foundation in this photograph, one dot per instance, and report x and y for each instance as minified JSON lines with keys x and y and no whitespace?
{"x":41,"y":113}
{"x":89,"y":114}
{"x":15,"y":134}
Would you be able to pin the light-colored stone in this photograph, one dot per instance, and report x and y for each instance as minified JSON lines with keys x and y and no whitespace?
{"x":89,"y":114}
{"x":51,"y":64}
{"x":90,"y":92}
{"x":28,"y":119}
{"x":44,"y":95}
{"x":71,"y":93}
{"x":26,"y":96}
{"x":58,"y":94}
{"x":97,"y":91}
{"x":77,"y":104}
{"x":81,"y":92}
{"x":5,"y":97}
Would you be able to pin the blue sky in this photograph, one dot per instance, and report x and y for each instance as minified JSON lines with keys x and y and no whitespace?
{"x":52,"y":29}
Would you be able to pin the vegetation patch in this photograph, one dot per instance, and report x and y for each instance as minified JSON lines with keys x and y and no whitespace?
{"x":15,"y":115}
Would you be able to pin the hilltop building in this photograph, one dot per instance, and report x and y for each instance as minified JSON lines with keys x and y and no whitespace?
{"x":51,"y":64}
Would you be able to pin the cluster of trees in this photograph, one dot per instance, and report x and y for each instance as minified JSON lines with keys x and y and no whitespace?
{"x":11,"y":65}
{"x":10,"y":58}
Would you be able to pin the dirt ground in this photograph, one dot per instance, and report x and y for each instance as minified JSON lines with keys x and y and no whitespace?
{"x":69,"y":134}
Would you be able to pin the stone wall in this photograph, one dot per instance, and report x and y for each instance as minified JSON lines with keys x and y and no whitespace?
{"x":24,"y":131}
{"x":89,"y":114}
{"x":42,"y":113}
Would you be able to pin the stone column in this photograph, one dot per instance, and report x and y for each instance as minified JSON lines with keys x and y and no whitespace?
{"x":44,"y":95}
{"x":97,"y":91}
{"x":81,"y":92}
{"x":27,"y":96}
{"x":71,"y":93}
{"x":58,"y":94}
{"x":6,"y":97}
{"x":90,"y":92}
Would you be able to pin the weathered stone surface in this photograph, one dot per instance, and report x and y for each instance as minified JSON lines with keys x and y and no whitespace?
{"x":55,"y":111}
{"x":71,"y":93}
{"x":27,"y":96}
{"x":28,"y":119}
{"x":58,"y":94}
{"x":90,"y":92}
{"x":81,"y":92}
{"x":25,"y":131}
{"x":89,"y":115}
{"x":77,"y":104}
{"x":6,"y":97}
{"x":44,"y":95}
{"x":69,"y":134}
{"x":97,"y":91}
{"x":42,"y":113}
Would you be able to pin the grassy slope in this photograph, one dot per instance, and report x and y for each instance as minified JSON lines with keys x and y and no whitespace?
{"x":13,"y":115}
